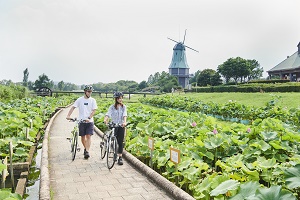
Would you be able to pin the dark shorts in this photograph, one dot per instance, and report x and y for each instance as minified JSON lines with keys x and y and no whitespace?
{"x":86,"y":129}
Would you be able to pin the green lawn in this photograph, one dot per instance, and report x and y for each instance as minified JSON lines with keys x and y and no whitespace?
{"x":255,"y":99}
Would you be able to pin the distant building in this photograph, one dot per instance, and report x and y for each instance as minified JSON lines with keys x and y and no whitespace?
{"x":179,"y":66}
{"x":288,"y":68}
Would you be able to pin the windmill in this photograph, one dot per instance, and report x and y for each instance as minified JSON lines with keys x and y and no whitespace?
{"x":179,"y":66}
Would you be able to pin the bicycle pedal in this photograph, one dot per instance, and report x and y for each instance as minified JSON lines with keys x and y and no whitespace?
{"x":78,"y":149}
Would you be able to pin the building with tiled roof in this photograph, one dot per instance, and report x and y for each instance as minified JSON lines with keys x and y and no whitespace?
{"x":288,"y":68}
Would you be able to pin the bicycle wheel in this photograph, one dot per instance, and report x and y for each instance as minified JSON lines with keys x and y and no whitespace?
{"x":111,"y":152}
{"x":103,"y":146}
{"x":74,"y":144}
{"x":71,"y":140}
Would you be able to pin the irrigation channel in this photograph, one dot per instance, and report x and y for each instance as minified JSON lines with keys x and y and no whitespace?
{"x":33,"y":183}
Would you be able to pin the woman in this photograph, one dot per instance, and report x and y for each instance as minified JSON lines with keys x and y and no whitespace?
{"x":118,"y":114}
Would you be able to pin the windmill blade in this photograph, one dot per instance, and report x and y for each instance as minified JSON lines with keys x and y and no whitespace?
{"x":191,"y":48}
{"x":184,"y":36}
{"x":173,"y":40}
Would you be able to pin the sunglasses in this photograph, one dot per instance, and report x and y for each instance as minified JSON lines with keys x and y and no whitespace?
{"x":89,"y":91}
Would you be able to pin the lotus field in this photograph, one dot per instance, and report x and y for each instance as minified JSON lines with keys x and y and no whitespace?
{"x":227,"y":151}
{"x":20,"y":122}
{"x":253,"y":159}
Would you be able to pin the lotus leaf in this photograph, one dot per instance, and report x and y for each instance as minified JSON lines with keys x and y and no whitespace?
{"x":263,"y":163}
{"x":267,"y":136}
{"x":224,"y":187}
{"x":292,"y":177}
{"x":213,"y":142}
{"x":184,"y":164}
{"x":246,"y":190}
{"x":26,"y":143}
{"x":261,"y":145}
{"x":5,"y":194}
{"x":273,"y":193}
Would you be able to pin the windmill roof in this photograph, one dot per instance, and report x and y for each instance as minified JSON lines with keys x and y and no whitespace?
{"x":290,"y":63}
{"x":179,"y":46}
{"x":179,"y":58}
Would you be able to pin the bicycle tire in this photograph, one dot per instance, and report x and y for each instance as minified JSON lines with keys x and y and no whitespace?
{"x":71,"y":139}
{"x":111,"y":152}
{"x":103,"y":147}
{"x":74,"y":145}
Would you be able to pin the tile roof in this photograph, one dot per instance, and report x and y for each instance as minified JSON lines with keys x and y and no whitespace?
{"x":290,"y":63}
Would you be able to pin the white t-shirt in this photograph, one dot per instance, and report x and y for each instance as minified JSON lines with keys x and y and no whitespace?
{"x":86,"y":106}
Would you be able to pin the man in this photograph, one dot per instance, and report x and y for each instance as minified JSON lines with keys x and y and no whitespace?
{"x":87,"y":107}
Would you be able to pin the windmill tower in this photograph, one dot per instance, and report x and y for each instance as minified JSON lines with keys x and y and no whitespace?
{"x":179,"y":66}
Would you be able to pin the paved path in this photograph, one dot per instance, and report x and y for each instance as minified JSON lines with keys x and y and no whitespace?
{"x":90,"y":179}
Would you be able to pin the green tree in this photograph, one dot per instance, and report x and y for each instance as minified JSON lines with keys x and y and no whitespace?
{"x":235,"y":68}
{"x":30,"y":85}
{"x":43,"y":81}
{"x":60,"y":85}
{"x":153,"y":79}
{"x":166,"y":82}
{"x":256,"y":70}
{"x":25,"y":77}
{"x":216,"y":79}
{"x":195,"y":77}
{"x":209,"y":77}
{"x":142,"y":85}
{"x":6,"y":82}
{"x":227,"y":69}
{"x":70,"y":87}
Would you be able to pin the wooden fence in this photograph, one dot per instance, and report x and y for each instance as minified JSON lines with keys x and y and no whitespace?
{"x":100,"y":94}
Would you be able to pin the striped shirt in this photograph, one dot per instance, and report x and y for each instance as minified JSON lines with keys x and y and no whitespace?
{"x":117,"y":115}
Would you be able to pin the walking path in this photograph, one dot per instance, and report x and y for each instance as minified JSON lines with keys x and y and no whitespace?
{"x":90,"y":179}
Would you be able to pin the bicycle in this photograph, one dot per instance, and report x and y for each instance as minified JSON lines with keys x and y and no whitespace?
{"x":74,"y":138}
{"x":109,"y":145}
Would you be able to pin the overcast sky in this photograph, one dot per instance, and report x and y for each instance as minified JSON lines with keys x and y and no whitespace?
{"x":91,"y":41}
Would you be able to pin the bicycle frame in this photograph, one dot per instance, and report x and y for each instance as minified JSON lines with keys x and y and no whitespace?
{"x":109,"y":146}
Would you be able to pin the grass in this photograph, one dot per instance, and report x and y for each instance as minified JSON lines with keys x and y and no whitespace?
{"x":289,"y":100}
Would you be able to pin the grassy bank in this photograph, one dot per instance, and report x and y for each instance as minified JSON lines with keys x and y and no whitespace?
{"x":290,"y":100}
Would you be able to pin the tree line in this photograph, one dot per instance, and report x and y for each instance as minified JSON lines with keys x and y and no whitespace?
{"x":232,"y":70}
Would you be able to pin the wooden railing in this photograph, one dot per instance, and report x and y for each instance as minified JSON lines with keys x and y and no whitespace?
{"x":102,"y":94}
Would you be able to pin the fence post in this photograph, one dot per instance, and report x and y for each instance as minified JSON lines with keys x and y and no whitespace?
{"x":11,"y":167}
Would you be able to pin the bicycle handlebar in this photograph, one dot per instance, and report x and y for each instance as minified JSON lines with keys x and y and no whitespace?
{"x":112,"y":125}
{"x":75,"y":120}
{"x":72,"y":119}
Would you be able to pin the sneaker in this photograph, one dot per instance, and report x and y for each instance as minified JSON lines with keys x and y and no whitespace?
{"x":84,"y":152}
{"x":120,"y":161}
{"x":86,"y":155}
